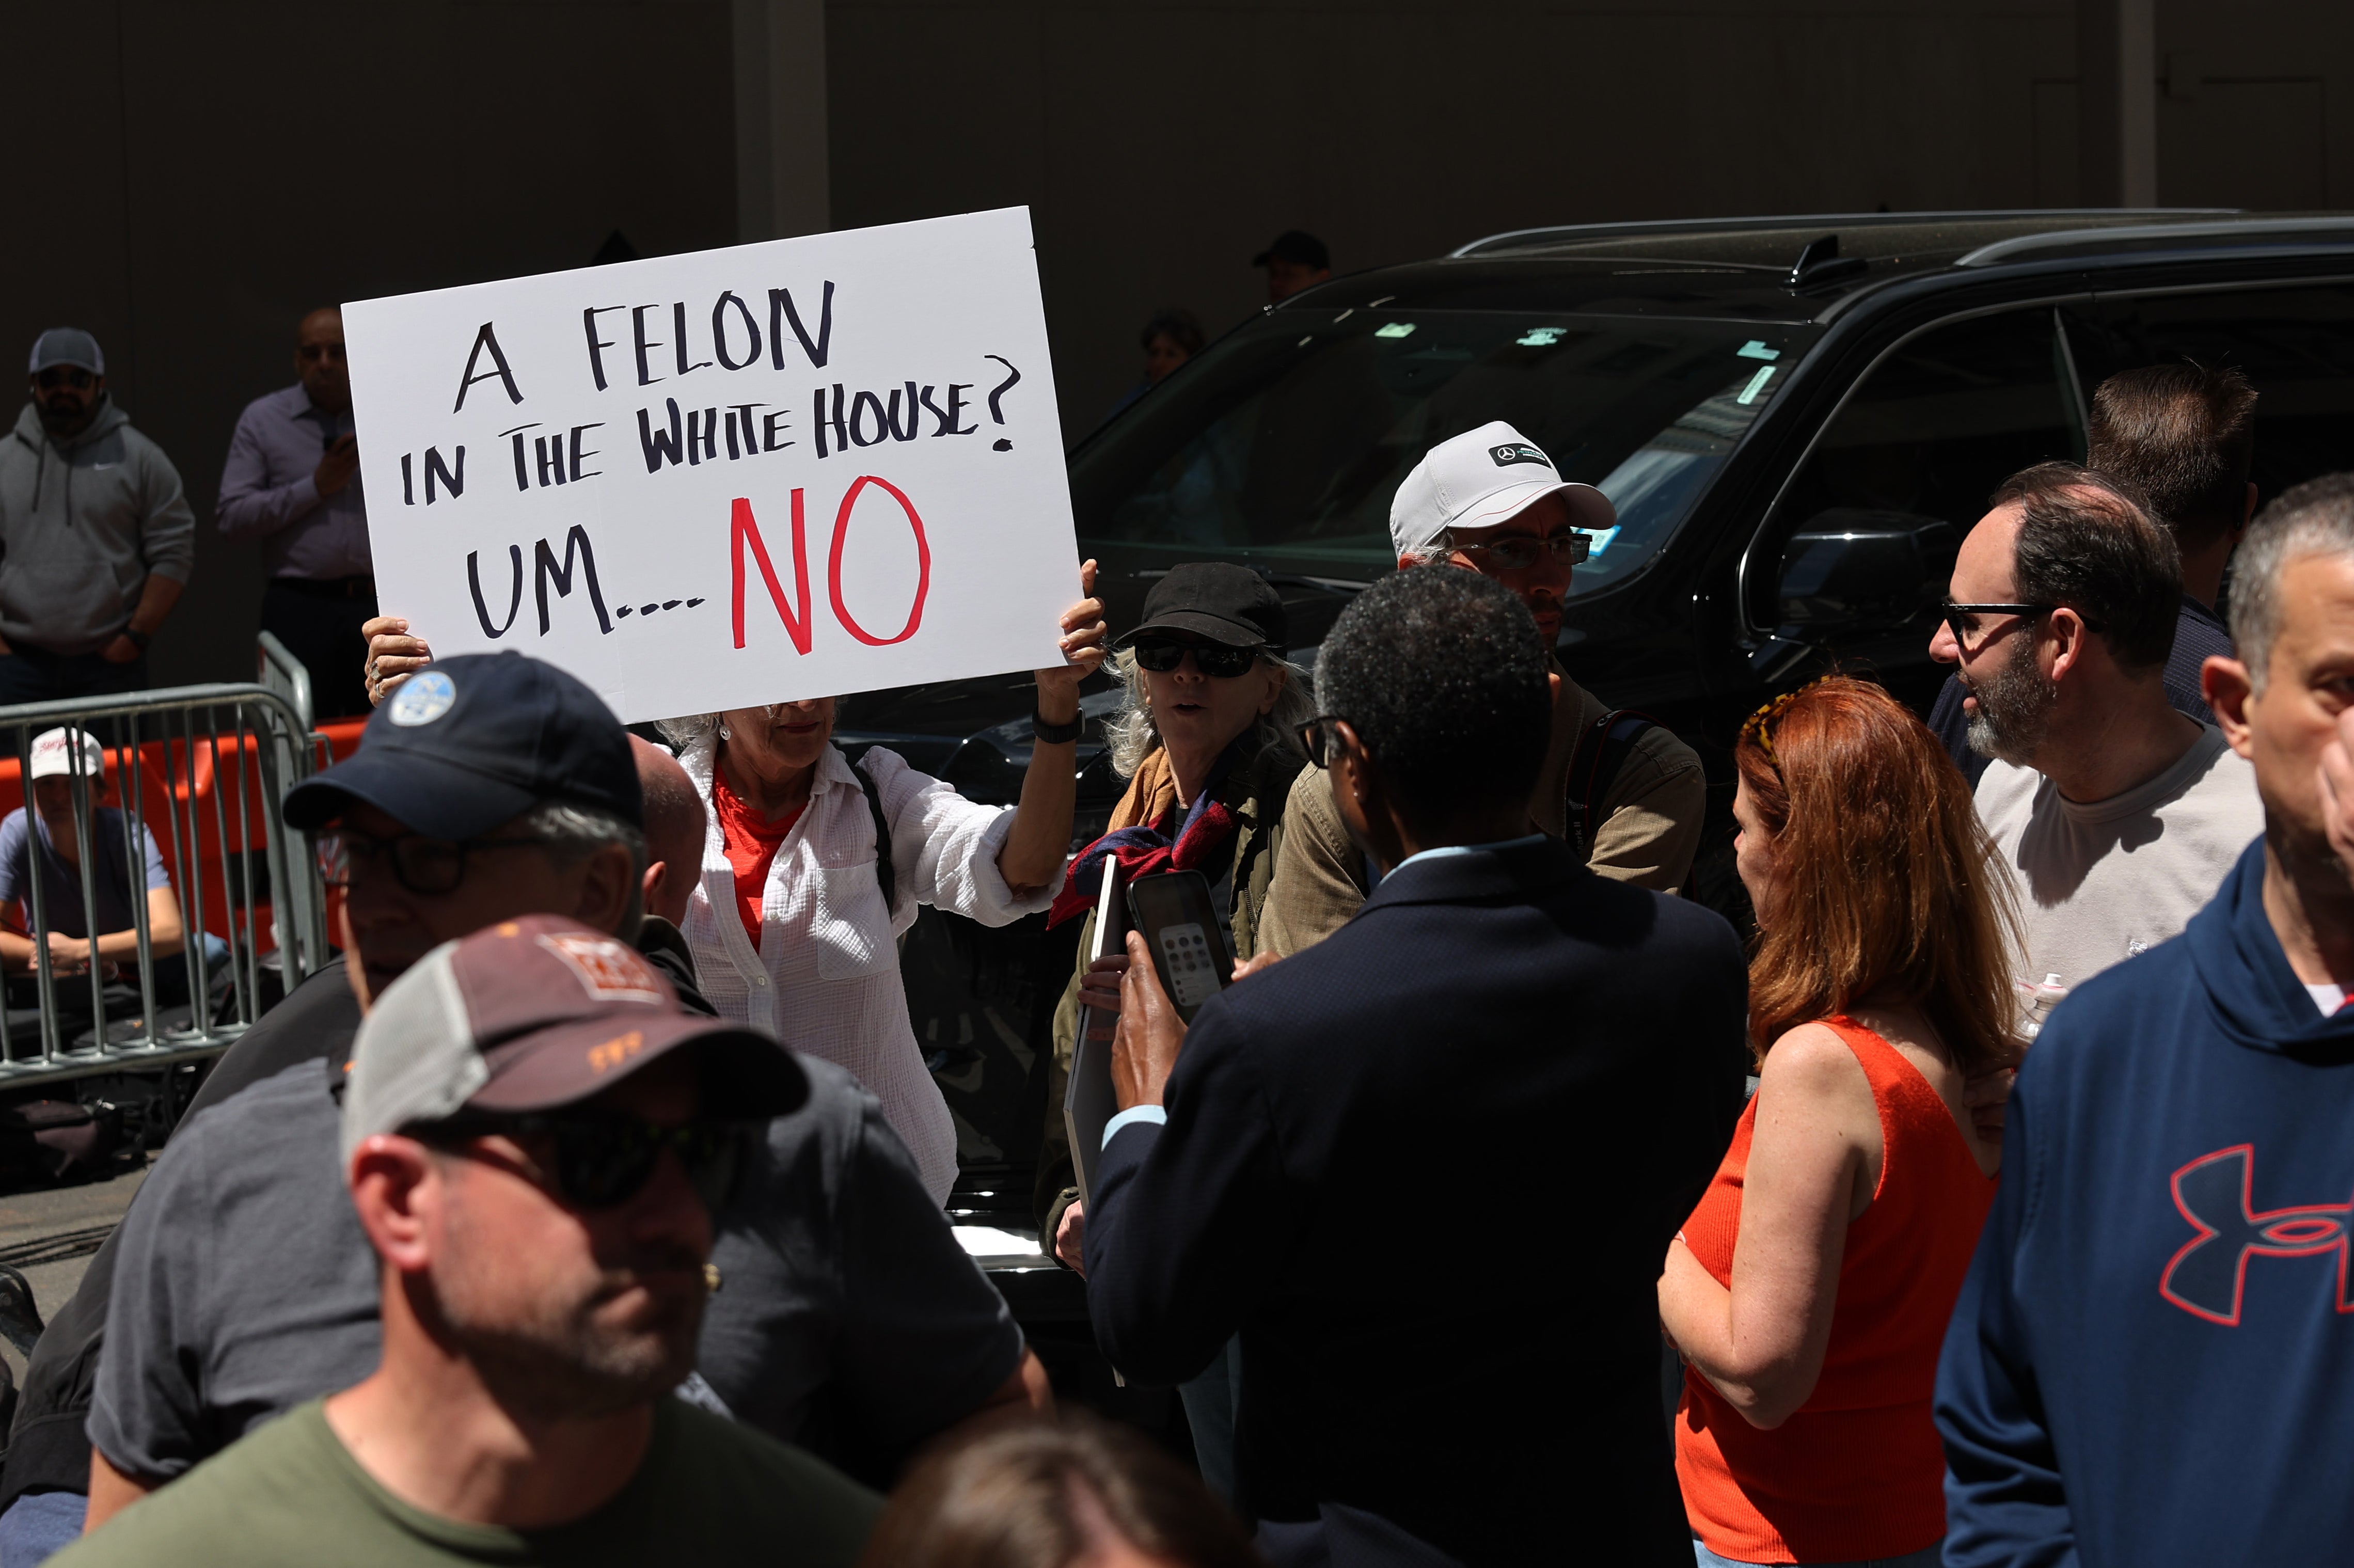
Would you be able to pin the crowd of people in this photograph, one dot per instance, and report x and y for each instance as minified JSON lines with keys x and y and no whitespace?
{"x":1985,"y":1207}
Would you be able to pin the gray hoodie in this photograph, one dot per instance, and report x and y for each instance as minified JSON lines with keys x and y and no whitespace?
{"x":82,"y":522}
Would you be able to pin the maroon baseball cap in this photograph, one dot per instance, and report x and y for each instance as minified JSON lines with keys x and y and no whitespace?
{"x":536,"y":1014}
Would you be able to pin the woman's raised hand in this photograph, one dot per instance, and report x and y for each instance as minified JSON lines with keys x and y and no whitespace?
{"x":1083,"y":630}
{"x":392,"y":655}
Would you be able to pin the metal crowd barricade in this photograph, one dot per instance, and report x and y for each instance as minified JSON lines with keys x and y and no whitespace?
{"x":207,"y":764}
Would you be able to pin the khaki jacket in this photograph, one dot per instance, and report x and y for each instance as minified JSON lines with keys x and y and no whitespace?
{"x":1257,"y":797}
{"x":1650,"y":827}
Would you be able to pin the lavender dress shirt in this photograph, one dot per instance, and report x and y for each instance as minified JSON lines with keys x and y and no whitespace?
{"x":266,"y":492}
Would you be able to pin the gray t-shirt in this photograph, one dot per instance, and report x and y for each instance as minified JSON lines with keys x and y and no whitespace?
{"x":245,"y":1287}
{"x":2101,"y":881}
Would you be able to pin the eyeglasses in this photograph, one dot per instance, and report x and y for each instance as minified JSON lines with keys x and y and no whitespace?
{"x":604,"y":1161}
{"x":1518,"y":552}
{"x":1320,"y":739}
{"x":423,"y":865}
{"x":1955,"y":615}
{"x":67,"y":376}
{"x":1212,"y":659}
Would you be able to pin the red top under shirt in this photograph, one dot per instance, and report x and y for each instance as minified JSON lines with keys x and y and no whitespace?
{"x":751,"y":841}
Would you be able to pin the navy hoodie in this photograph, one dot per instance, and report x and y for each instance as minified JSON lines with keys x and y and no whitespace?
{"x":2152,"y":1361}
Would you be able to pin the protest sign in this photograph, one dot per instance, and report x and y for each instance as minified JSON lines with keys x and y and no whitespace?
{"x":795,"y":469}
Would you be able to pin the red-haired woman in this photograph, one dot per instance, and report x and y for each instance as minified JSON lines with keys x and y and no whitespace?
{"x":1810,"y":1290}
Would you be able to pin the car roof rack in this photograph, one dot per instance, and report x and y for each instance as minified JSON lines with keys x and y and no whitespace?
{"x":2273,"y":230}
{"x":1564,"y":233}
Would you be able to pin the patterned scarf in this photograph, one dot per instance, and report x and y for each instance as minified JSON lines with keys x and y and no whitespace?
{"x":1140,"y":840}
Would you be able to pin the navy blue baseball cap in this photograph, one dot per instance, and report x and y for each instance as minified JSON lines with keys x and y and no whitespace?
{"x":470,"y":742}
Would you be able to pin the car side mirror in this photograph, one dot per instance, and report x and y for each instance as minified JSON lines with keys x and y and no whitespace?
{"x":1850,"y":570}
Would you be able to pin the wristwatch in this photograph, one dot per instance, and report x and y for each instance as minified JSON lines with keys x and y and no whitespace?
{"x":139,"y":639}
{"x":1055,"y":734}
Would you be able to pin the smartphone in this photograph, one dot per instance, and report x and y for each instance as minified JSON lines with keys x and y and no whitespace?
{"x":1180,"y":923}
{"x":1089,"y":1102}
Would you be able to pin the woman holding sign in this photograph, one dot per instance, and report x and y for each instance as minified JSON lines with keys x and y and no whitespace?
{"x":795,"y":921}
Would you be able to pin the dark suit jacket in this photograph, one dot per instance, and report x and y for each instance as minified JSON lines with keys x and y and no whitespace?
{"x":1477,"y":1360}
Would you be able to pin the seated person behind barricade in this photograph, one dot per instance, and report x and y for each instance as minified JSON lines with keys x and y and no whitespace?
{"x":245,"y":1285}
{"x":781,"y":941}
{"x":1809,"y":1292}
{"x":60,"y":869}
{"x":1571,"y":1047}
{"x":1076,"y":1492}
{"x":1625,"y":793}
{"x":1208,"y":739}
{"x":535,"y":1135}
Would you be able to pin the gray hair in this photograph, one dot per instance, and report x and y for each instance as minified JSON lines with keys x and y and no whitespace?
{"x":2315,"y":519}
{"x":1133,"y":735}
{"x":573,"y":832}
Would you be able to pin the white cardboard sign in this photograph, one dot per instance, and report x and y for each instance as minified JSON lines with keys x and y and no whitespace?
{"x":796,"y":469}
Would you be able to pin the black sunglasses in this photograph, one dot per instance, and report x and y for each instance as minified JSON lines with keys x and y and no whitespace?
{"x":1320,"y":739}
{"x":1953,"y":616}
{"x":1518,"y":552}
{"x":603,"y":1160}
{"x":423,"y":865}
{"x":1212,"y":659}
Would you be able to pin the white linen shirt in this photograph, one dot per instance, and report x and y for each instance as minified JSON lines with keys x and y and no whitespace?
{"x":825,"y":979}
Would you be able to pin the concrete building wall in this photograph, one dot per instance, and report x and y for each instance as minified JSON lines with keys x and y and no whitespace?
{"x":188,"y":180}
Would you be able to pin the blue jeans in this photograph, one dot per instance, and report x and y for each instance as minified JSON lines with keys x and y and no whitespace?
{"x":37,"y":1525}
{"x":29,"y":674}
{"x":1927,"y":1557}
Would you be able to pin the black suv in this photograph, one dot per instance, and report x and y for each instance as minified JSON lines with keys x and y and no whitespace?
{"x":1797,"y":418}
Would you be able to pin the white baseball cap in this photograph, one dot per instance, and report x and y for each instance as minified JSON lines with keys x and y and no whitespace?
{"x":1481,"y":477}
{"x":53,"y":754}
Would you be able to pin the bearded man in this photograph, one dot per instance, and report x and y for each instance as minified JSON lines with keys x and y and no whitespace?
{"x":2119,"y":816}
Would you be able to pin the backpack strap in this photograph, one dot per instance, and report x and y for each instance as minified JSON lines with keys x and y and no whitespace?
{"x":884,"y":872}
{"x":1602,"y":750}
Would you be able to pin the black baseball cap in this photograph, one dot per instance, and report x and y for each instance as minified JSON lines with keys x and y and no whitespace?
{"x":470,"y":742}
{"x":1227,"y":604}
{"x":1299,"y":248}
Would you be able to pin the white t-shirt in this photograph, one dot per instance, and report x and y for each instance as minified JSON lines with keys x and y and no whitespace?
{"x":2099,"y":881}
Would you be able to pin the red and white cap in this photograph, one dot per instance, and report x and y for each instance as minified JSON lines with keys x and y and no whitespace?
{"x":53,"y":752}
{"x":1482,"y":478}
{"x":537,"y":1013}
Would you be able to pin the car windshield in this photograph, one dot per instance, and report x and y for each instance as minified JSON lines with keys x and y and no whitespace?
{"x":1282,"y":444}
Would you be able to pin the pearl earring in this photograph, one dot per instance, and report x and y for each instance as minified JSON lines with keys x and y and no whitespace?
{"x":725,"y":734}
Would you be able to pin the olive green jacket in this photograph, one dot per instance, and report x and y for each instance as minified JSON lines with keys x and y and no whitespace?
{"x":1649,"y":830}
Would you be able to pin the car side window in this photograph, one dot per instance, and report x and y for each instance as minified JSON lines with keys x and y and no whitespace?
{"x":2297,"y":346}
{"x":1929,"y":434}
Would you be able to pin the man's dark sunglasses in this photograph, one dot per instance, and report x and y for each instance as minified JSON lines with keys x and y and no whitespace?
{"x":603,"y":1161}
{"x":1212,"y":659}
{"x":1956,"y":616}
{"x":1320,"y":739}
{"x":1518,"y":552}
{"x":72,"y":375}
{"x":423,"y":865}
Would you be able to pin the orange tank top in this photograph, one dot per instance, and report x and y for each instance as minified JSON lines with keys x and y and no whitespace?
{"x":1857,"y":1471}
